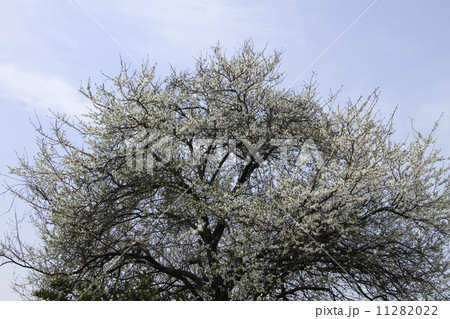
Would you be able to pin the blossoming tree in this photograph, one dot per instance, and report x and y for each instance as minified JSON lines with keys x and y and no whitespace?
{"x":216,"y":184}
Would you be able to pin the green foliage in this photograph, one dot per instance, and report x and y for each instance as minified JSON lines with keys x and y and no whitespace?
{"x":63,"y":288}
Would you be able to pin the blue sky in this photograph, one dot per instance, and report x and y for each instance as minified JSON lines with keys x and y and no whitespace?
{"x":50,"y":47}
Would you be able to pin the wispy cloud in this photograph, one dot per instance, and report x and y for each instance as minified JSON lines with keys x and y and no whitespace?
{"x":40,"y":91}
{"x":167,"y":27}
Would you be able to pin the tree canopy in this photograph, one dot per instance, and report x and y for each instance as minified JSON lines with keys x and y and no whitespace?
{"x":217,"y":184}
